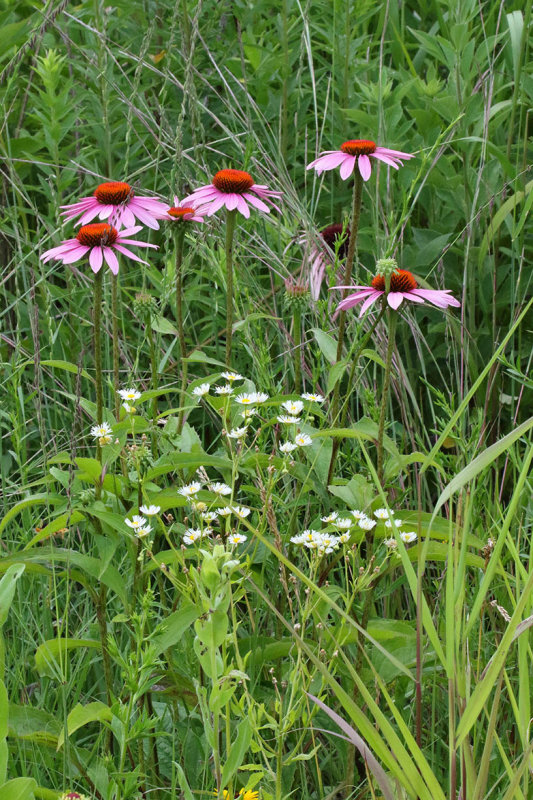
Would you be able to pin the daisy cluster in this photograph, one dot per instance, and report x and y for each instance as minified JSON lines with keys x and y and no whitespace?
{"x":319,"y":541}
{"x":209,"y":517}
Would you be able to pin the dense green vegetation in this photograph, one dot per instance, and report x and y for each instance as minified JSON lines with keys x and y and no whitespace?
{"x":149,"y":665}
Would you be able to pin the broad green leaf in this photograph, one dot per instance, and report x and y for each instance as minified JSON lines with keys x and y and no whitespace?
{"x":7,"y":589}
{"x":33,"y":724}
{"x":34,"y":500}
{"x":18,"y":789}
{"x":170,"y":631}
{"x":237,"y":751}
{"x":326,"y":343}
{"x":57,"y":524}
{"x":51,"y":656}
{"x":82,"y":715}
{"x":65,"y":365}
{"x":163,"y":325}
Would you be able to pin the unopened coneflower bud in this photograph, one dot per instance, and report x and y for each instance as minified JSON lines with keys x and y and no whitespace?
{"x":385,"y":267}
{"x":144,"y":305}
{"x":296,"y":297}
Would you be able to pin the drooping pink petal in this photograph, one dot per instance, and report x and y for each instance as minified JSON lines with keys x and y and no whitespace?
{"x":96,"y":258}
{"x":365,"y":167}
{"x":74,"y":255}
{"x":385,"y":159}
{"x":242,"y":205}
{"x":128,"y":253}
{"x":386,"y":151}
{"x":128,"y":218}
{"x":232,"y":201}
{"x":357,"y":296}
{"x":121,"y":240}
{"x":440,"y":298}
{"x":89,"y":215}
{"x":148,"y":203}
{"x":215,"y":204}
{"x":394,"y":299}
{"x":347,"y":166}
{"x":256,"y":202}
{"x":354,"y":299}
{"x":105,"y":211}
{"x":413,"y":297}
{"x":130,"y":231}
{"x":370,"y":300}
{"x":86,"y":201}
{"x":111,"y":259}
{"x":327,"y":162}
{"x":146,"y":218}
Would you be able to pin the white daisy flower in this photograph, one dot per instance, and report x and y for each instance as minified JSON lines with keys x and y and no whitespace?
{"x":191,"y":535}
{"x":285,"y":420}
{"x":129,"y":409}
{"x":310,"y":535}
{"x":225,"y":511}
{"x":396,"y":522}
{"x":101,"y":431}
{"x":240,"y":511}
{"x":356,"y":514}
{"x":144,"y":531}
{"x":344,"y":523}
{"x":298,"y":539}
{"x":366,"y":524}
{"x":260,"y":397}
{"x":232,"y":376}
{"x":220,"y":488}
{"x":288,"y":447}
{"x":129,"y":394}
{"x":236,"y":538}
{"x":190,"y":489}
{"x":408,"y":537}
{"x":198,"y":506}
{"x":344,"y":537}
{"x":245,"y":399}
{"x":135,"y":522}
{"x":247,"y":413}
{"x":314,"y":398}
{"x":382,"y":513}
{"x":392,"y":544}
{"x":150,"y":511}
{"x":209,"y":516}
{"x":237,"y":433}
{"x":303,"y":440}
{"x":227,"y":389}
{"x":200,"y":391}
{"x":330,"y":517}
{"x":293,"y":407}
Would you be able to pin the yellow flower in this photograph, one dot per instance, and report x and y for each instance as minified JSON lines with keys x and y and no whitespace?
{"x":249,"y":795}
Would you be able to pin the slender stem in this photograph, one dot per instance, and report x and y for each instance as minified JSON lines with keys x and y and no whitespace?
{"x":231,"y":217}
{"x":154,"y":379}
{"x":97,"y":324}
{"x":386,"y":383}
{"x":344,"y":410}
{"x":114,"y":315}
{"x":356,"y":213}
{"x":297,"y":336}
{"x":178,"y":238}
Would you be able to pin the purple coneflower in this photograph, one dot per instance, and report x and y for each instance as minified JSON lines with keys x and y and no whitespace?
{"x":403,"y":286}
{"x":99,"y":241}
{"x":233,"y":189}
{"x":319,"y":257}
{"x":117,"y":201}
{"x":180,"y":212}
{"x":360,"y":151}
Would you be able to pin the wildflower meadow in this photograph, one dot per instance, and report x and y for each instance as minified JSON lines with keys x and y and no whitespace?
{"x":266,"y":414}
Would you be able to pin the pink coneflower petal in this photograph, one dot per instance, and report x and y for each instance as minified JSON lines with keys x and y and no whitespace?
{"x":96,"y":258}
{"x":412,"y":296}
{"x":74,"y":255}
{"x":356,"y":296}
{"x":242,"y":206}
{"x":395,"y":299}
{"x":347,"y":167}
{"x":385,"y":159}
{"x":439,"y":297}
{"x":386,"y":151}
{"x":127,"y":218}
{"x":88,"y":216}
{"x":105,"y":211}
{"x":116,"y":202}
{"x":365,"y":168}
{"x":370,"y":300}
{"x":215,"y":205}
{"x":146,"y":217}
{"x":111,"y":259}
{"x":232,"y":201}
{"x":256,"y":202}
{"x":128,"y":253}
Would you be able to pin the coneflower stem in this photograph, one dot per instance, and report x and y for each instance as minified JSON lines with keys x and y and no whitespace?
{"x":393,"y":317}
{"x":114,"y":315}
{"x":231,"y":217}
{"x":356,"y":213}
{"x":297,"y":337}
{"x":154,"y":380}
{"x":178,"y":239}
{"x":97,"y":332}
{"x":354,"y":357}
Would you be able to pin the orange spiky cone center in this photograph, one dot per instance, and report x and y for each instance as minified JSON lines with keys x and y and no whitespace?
{"x":400,"y":281}
{"x":113,"y":193}
{"x":179,"y":213}
{"x":358,"y":147}
{"x":233,"y":181}
{"x":97,"y":234}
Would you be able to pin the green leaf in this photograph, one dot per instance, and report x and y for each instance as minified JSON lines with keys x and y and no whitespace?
{"x":4,"y":715}
{"x":57,"y":524}
{"x":197,"y":357}
{"x":34,"y":500}
{"x":326,"y":343}
{"x":66,"y":365}
{"x":18,"y":789}
{"x":183,"y":782}
{"x":162,"y":325}
{"x":50,"y":656}
{"x":7,"y":589}
{"x":237,"y":752}
{"x":481,"y":462}
{"x":82,"y":715}
{"x":33,"y":724}
{"x":335,"y":374}
{"x":169,"y":632}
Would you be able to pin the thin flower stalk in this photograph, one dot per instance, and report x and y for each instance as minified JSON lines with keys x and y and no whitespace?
{"x":115,"y":337}
{"x":179,"y":235}
{"x":231,"y":218}
{"x":97,"y":334}
{"x":393,"y":318}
